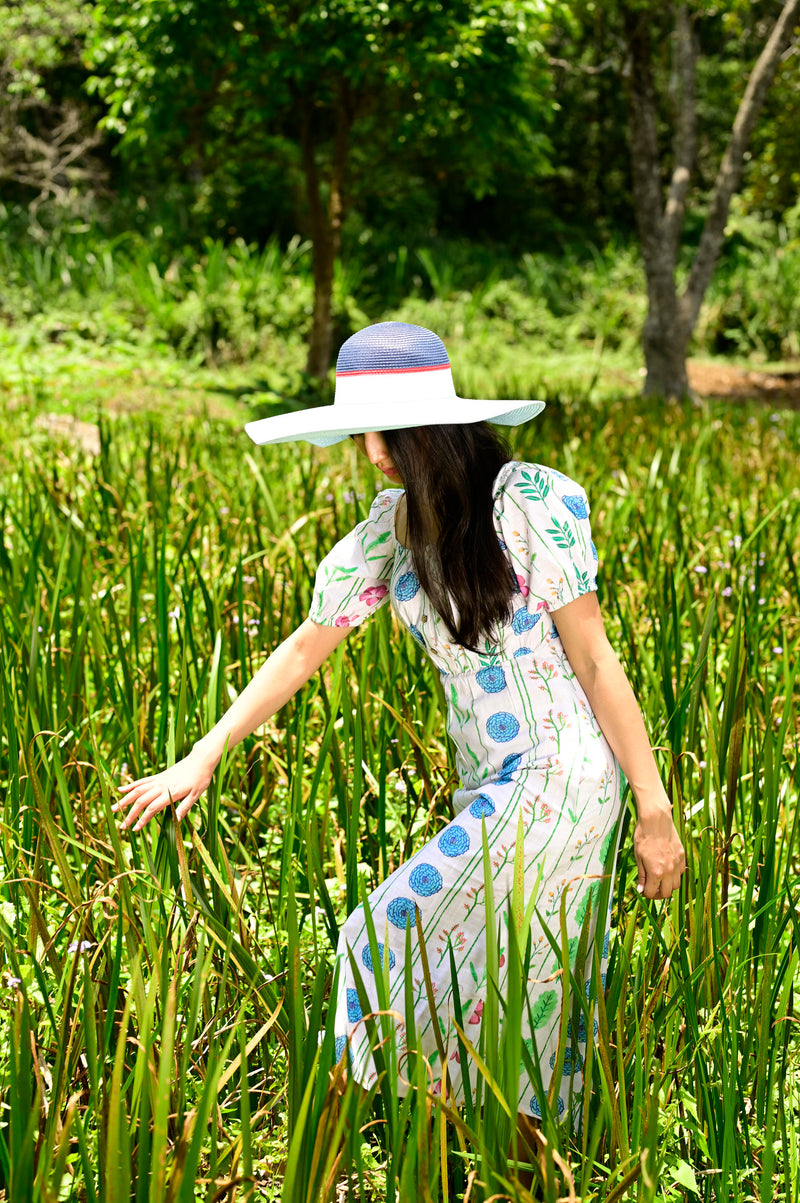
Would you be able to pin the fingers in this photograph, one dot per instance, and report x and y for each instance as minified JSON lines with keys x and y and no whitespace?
{"x":185,"y":807}
{"x":660,"y":858}
{"x":133,"y":791}
{"x":661,"y":884}
{"x":150,"y":795}
{"x":149,"y":803}
{"x":642,"y":879}
{"x":149,"y":811}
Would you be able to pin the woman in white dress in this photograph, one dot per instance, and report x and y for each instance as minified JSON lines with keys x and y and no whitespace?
{"x":489,"y":563}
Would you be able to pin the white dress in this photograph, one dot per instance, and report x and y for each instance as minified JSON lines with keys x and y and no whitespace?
{"x":526,"y":742}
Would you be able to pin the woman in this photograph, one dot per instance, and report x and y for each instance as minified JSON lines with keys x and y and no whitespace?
{"x":490,"y":564}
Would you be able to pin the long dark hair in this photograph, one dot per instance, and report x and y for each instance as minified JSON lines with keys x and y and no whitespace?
{"x":448,"y":473}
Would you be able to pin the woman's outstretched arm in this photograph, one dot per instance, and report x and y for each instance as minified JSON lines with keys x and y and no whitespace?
{"x":656,"y":844}
{"x":288,"y":668}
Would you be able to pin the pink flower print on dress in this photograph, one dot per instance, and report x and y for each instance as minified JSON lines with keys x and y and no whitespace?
{"x":342,"y":621}
{"x":523,"y":586}
{"x":477,"y":1014}
{"x":373,"y":594}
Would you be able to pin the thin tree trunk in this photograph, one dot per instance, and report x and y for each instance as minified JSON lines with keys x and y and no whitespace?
{"x":671,"y":318}
{"x":326,"y":232}
{"x":665,"y":341}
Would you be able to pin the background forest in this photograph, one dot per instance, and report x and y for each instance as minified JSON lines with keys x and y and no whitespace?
{"x":593,"y":202}
{"x":246,"y":183}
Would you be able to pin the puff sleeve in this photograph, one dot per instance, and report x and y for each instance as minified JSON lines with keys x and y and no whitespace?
{"x":544,"y":524}
{"x":353,"y":579}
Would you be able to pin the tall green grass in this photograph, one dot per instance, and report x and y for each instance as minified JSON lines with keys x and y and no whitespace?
{"x":163,"y":993}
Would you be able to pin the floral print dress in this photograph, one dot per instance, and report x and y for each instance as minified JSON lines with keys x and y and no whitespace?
{"x":526,"y":742}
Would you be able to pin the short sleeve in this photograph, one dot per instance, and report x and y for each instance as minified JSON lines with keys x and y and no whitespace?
{"x":544,"y":523}
{"x":353,"y":579}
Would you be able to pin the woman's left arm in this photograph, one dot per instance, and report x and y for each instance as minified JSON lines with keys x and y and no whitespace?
{"x":657,"y":845}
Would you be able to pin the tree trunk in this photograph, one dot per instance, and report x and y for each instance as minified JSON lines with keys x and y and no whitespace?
{"x":665,"y":350}
{"x":326,"y":231}
{"x":671,"y":318}
{"x":665,"y":338}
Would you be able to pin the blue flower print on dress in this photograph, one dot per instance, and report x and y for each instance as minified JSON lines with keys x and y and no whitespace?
{"x":454,"y":841}
{"x":605,"y":946}
{"x":402,"y":913}
{"x":537,"y":1111}
{"x":366,"y":957}
{"x":503,"y":545}
{"x":524,"y":621}
{"x":417,"y":633}
{"x":502,"y":727}
{"x":509,"y":766}
{"x":425,"y":879}
{"x":483,"y":805}
{"x":522,"y":651}
{"x":339,"y":1047}
{"x":595,"y":556}
{"x":354,"y":1012}
{"x":491,"y":679}
{"x":581,"y":1029}
{"x":576,"y":505}
{"x":407,"y":586}
{"x":569,"y":1056}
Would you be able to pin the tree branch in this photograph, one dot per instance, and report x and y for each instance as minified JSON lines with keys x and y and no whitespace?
{"x":609,"y":64}
{"x":730,"y":168}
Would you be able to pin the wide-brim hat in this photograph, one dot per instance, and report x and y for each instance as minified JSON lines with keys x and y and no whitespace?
{"x":390,"y":376}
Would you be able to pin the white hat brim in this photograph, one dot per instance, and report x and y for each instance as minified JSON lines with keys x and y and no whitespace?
{"x":329,"y":424}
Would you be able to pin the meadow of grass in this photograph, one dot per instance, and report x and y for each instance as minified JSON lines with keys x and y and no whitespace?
{"x":162,"y":993}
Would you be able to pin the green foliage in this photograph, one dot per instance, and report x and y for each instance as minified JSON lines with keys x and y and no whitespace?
{"x":218,"y":89}
{"x":46,"y":134}
{"x":162,"y":992}
{"x":36,"y":39}
{"x":753,"y":303}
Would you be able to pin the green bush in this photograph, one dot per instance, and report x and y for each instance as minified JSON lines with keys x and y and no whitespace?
{"x":238,"y":303}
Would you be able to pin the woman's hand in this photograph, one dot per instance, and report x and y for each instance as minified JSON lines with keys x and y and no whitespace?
{"x":183,"y":783}
{"x":656,"y":843}
{"x":659,"y":852}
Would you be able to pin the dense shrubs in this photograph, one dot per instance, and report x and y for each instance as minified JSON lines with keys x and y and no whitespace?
{"x":238,"y":303}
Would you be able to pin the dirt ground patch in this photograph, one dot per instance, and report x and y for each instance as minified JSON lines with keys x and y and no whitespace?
{"x":724,"y":380}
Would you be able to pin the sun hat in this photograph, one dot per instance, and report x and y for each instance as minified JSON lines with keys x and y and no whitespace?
{"x":389,"y":376}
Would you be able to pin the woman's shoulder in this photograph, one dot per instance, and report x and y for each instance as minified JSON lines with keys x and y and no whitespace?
{"x":384,"y":507}
{"x":534,"y":482}
{"x":387,"y":499}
